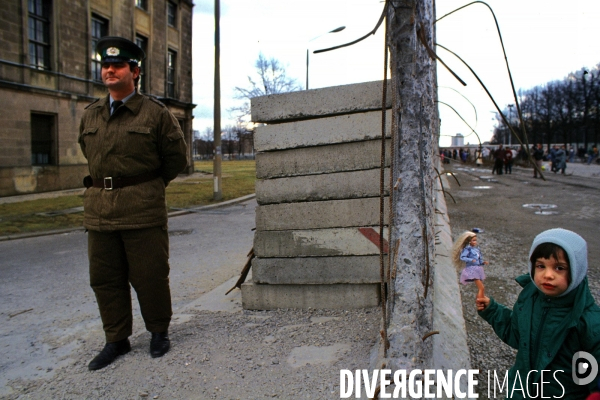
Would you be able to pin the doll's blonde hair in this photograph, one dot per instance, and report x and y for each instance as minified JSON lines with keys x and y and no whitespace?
{"x":460,"y":243}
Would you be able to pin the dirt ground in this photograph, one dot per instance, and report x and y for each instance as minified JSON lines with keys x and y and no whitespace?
{"x":508,"y":231}
{"x":220,"y":355}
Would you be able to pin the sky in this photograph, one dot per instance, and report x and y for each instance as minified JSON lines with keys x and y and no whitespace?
{"x":545,"y":40}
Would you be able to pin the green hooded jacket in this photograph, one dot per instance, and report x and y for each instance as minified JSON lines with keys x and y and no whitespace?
{"x":547,"y":332}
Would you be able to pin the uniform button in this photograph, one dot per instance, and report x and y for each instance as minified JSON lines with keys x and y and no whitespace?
{"x":549,"y":354}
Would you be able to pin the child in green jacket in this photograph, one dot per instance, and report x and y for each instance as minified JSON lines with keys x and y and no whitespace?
{"x":554,"y":318}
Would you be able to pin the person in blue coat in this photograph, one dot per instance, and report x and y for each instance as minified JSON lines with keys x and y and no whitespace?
{"x":555,"y":323}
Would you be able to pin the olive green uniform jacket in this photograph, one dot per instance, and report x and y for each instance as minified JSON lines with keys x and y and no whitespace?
{"x":547,"y":332}
{"x":141,"y":136}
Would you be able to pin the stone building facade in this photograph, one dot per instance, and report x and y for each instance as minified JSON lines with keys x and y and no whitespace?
{"x":49,"y":73}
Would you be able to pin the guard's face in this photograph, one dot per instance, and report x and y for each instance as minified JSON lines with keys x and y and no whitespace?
{"x":119,"y":76}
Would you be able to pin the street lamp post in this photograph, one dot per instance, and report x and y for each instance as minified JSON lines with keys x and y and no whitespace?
{"x":217,"y":189}
{"x":339,"y":29}
{"x":510,"y":107}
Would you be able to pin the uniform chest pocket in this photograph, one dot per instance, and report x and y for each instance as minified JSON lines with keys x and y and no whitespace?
{"x":140,"y":140}
{"x":139,"y":130}
{"x":88,"y":135}
{"x":87,"y":132}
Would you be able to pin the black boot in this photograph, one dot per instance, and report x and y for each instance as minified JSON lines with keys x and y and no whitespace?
{"x":159,"y":344}
{"x":109,"y":353}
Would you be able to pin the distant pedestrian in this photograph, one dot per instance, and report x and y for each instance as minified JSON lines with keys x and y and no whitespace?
{"x":571,"y":154}
{"x":560,"y":160}
{"x":508,"y":161}
{"x":538,"y":156}
{"x":478,"y":157}
{"x":592,"y":155}
{"x":499,"y":160}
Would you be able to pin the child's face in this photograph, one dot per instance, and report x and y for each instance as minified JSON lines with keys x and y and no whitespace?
{"x":473,"y":241}
{"x":552,"y":275}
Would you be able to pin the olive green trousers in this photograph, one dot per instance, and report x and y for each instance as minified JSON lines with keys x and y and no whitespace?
{"x":139,"y":257}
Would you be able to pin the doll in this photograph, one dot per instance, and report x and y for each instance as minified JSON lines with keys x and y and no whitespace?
{"x":466,"y":253}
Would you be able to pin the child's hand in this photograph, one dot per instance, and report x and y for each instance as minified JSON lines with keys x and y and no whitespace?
{"x":485,"y":263}
{"x":482,"y":303}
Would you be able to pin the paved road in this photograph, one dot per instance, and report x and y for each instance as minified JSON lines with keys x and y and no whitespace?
{"x":47,"y":308}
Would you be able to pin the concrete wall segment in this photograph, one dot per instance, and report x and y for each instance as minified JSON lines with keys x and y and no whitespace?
{"x":319,"y":102}
{"x":316,"y":270}
{"x":314,"y":243}
{"x":270,"y":297}
{"x":320,"y":214}
{"x":319,"y":132}
{"x":343,"y":185}
{"x":322,"y":159}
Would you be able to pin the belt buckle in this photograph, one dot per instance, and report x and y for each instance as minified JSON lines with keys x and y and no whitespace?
{"x":108,"y":179}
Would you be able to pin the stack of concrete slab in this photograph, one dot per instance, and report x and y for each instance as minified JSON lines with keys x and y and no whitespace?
{"x":318,"y":186}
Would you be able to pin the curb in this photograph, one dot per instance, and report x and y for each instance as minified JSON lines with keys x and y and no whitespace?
{"x":38,"y":234}
{"x":172,"y":214}
{"x":183,"y":211}
{"x":450,"y":346}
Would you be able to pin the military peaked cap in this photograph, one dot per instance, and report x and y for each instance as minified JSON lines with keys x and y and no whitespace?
{"x":118,"y":49}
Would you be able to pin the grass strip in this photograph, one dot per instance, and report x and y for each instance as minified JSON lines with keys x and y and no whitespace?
{"x":238,"y":179}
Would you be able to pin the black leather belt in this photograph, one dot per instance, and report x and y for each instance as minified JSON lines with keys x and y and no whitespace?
{"x":110,"y":183}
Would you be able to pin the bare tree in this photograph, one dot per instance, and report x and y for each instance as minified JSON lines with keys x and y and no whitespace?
{"x":565,"y":111}
{"x":204,"y":143}
{"x":270,"y":78}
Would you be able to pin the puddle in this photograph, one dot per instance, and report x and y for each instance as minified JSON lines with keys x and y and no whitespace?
{"x":482,"y":187}
{"x":542,"y":209}
{"x":465,"y":169}
{"x":540,"y":206}
{"x":546,"y":212}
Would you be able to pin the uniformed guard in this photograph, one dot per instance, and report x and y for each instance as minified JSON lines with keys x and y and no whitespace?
{"x":134,"y":147}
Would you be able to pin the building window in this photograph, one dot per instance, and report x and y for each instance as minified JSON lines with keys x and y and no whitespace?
{"x":99,"y":29}
{"x":43,"y":139}
{"x":142,"y":43}
{"x":172,"y":14}
{"x":39,"y":33}
{"x":143,"y":4}
{"x":171,"y":64}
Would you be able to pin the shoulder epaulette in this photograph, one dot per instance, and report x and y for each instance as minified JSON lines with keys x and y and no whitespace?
{"x":93,"y":102}
{"x":154,"y":99}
